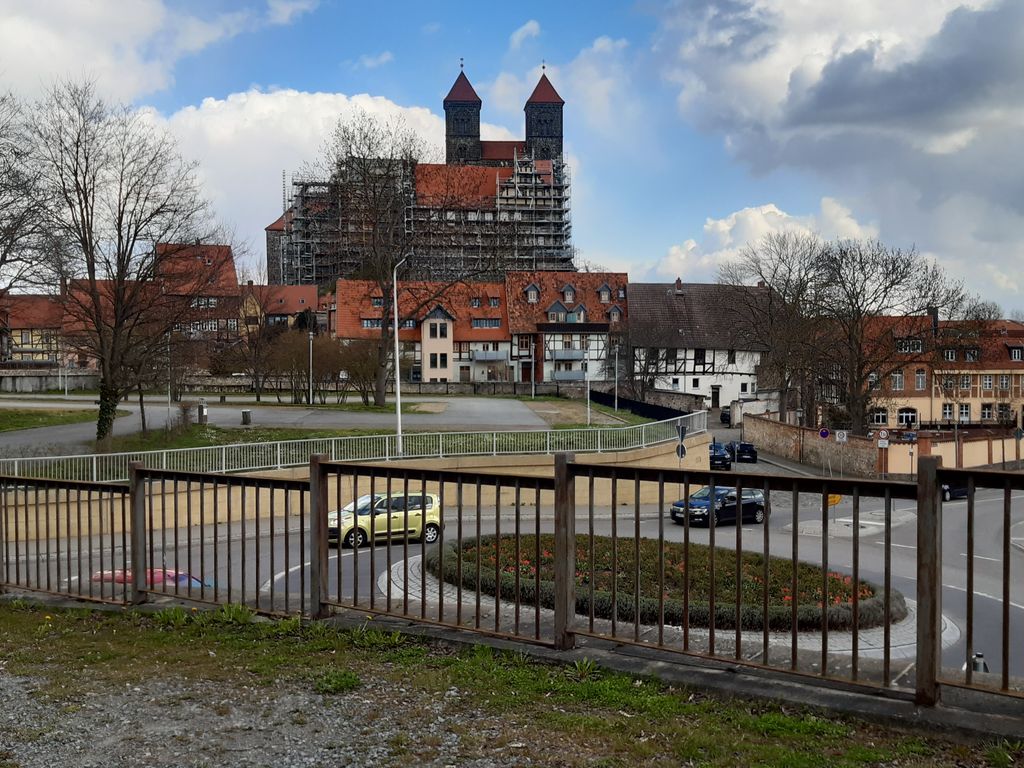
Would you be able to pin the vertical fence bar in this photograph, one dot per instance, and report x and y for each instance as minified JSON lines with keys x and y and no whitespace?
{"x":318,"y":535}
{"x":824,"y":580}
{"x":929,"y":583}
{"x":137,"y":491}
{"x":565,"y":552}
{"x":854,"y":661}
{"x":1005,"y":682}
{"x":970,"y":582}
{"x":794,"y":587}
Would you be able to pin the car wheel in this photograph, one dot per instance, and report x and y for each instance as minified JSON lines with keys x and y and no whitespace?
{"x":355,"y":538}
{"x":759,"y":515}
{"x":431,"y":533}
{"x":946,"y":495}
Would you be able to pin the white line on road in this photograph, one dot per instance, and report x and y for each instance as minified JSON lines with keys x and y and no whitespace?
{"x":982,"y":557}
{"x":265,"y":587}
{"x":982,"y":594}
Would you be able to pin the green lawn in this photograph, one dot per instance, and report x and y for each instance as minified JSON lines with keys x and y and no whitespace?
{"x":549,"y":714}
{"x":30,"y":418}
{"x":199,"y":436}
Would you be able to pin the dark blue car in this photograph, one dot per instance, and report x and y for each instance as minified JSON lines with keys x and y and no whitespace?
{"x":724,"y":506}
{"x":741,"y":451}
{"x":718,"y":457}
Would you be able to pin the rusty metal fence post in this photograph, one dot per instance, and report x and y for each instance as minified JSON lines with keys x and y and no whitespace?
{"x":565,"y":552}
{"x":317,"y":535}
{"x":929,"y":582}
{"x":137,"y":505}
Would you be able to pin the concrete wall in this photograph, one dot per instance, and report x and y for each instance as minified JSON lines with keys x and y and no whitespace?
{"x":679,"y":400}
{"x":41,"y":381}
{"x":859,"y":456}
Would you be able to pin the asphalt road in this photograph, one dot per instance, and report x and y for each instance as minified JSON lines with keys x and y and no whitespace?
{"x":460,"y":414}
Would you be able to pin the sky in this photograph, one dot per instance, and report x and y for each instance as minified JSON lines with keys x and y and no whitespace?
{"x":692,"y":128}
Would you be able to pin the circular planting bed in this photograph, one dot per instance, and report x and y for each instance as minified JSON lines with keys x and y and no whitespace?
{"x":532,"y":573}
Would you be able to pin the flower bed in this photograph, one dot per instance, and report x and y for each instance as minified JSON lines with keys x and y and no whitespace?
{"x":594,"y":581}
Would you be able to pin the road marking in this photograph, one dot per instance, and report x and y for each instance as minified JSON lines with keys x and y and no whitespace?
{"x":901,"y":546}
{"x":982,"y":557}
{"x":982,"y":594}
{"x":862,"y":522}
{"x":265,"y":586}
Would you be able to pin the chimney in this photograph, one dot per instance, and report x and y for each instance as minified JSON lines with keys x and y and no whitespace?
{"x":679,"y":286}
{"x":761,"y":284}
{"x":933,"y":313}
{"x":249,"y":282}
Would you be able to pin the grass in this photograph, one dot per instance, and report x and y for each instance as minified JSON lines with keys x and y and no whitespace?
{"x":572,"y":715}
{"x":197,"y":436}
{"x":609,"y":579}
{"x":29,"y":418}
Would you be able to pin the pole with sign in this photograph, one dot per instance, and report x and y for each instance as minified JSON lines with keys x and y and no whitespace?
{"x":841,"y":437}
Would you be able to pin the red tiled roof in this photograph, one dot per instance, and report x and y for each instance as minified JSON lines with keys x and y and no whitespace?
{"x":544,"y":93}
{"x":458,"y":185}
{"x":280,"y":222}
{"x":283,"y":299}
{"x":32,"y":310}
{"x":524,"y":317}
{"x":462,"y":90}
{"x":204,"y":270}
{"x":416,"y":299}
{"x":501,"y":150}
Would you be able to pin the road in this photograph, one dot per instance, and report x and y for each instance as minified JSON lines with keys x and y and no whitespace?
{"x":459,"y":414}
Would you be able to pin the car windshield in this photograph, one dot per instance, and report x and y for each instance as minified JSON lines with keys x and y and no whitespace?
{"x":363,"y":503}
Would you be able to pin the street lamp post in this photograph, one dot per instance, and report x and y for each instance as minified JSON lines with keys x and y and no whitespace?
{"x":310,"y":367}
{"x":586,"y":373}
{"x":533,"y":367}
{"x":167,"y":425}
{"x":398,"y":381}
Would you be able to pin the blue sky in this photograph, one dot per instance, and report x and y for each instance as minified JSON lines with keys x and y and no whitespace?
{"x":692,"y":127}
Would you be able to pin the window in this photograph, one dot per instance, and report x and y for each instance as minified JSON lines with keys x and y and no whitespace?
{"x":570,"y":295}
{"x":965,"y":412}
{"x":971,"y":355}
{"x":1017,"y":353}
{"x":524,"y":343}
{"x":232,"y":324}
{"x":698,"y":356}
{"x":532,"y":296}
{"x":947,"y":382}
{"x":731,"y":357}
{"x":743,"y":388}
{"x":949,"y":354}
{"x":433,"y":359}
{"x":947,"y":411}
{"x":433,"y":330}
{"x":1005,"y":415}
{"x":897,"y":380}
{"x":986,"y":381}
{"x":26,"y":337}
{"x":879,"y":416}
{"x":494,"y":301}
{"x":614,"y":315}
{"x":908,"y":346}
{"x":872,"y":380}
{"x":622,"y":293}
{"x":986,"y":411}
{"x":605,"y":295}
{"x":675,"y":384}
{"x":377,"y":301}
{"x":965,"y":381}
{"x":485,"y":322}
{"x":1004,"y":381}
{"x":907,"y":417}
{"x":920,"y":381}
{"x":474,"y":302}
{"x":371,"y":322}
{"x":444,"y":359}
{"x":408,"y":324}
{"x":696,"y":383}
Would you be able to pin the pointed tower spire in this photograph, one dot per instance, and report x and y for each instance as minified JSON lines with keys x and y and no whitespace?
{"x":462,"y":90}
{"x":544,"y":120}
{"x":462,"y":121}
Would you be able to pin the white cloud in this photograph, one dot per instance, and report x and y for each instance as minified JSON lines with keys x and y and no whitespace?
{"x":129,"y":48}
{"x":724,"y":238}
{"x":528,"y":30}
{"x":367,"y":61}
{"x":245,"y":141}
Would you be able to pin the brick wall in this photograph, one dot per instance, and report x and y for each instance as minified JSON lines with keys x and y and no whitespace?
{"x":859,"y":456}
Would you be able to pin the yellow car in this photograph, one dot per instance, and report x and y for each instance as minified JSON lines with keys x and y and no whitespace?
{"x":382,"y":513}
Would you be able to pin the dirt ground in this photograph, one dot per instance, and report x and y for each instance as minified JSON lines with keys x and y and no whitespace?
{"x":555,"y":412}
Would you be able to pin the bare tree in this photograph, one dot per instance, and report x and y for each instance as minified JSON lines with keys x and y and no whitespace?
{"x":119,"y":187}
{"x":359,"y":364}
{"x":22,"y":198}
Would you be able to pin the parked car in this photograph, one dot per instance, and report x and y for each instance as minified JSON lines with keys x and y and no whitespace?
{"x":155,"y":577}
{"x":741,"y":452}
{"x":726,"y":415}
{"x":953,"y":492}
{"x":723,"y":506}
{"x":719,"y":457}
{"x":374,"y":517}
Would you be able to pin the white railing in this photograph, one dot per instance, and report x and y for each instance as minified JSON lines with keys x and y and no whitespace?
{"x":249,"y":457}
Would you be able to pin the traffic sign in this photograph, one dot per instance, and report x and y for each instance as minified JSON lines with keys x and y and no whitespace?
{"x":681,"y":451}
{"x":841,"y":435}
{"x":883,"y":443}
{"x":833,"y":499}
{"x":883,"y":434}
{"x":823,"y":433}
{"x":682,"y":432}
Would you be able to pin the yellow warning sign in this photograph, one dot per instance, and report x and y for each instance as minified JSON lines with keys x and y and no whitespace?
{"x":833,"y":499}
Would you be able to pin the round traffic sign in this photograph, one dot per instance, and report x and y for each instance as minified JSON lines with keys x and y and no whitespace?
{"x":681,"y":451}
{"x":823,"y":433}
{"x":883,"y":434}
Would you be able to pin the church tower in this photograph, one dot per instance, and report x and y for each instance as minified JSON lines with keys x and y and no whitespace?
{"x":462,"y":123}
{"x":544,"y":121}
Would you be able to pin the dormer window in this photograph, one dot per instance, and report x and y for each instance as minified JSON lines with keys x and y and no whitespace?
{"x":569,"y":294}
{"x":971,"y":355}
{"x":1017,"y":353}
{"x":531,"y":296}
{"x":474,"y":302}
{"x":615,"y":315}
{"x":622,"y":293}
{"x":494,"y":301}
{"x":377,"y":301}
{"x":606,"y":295}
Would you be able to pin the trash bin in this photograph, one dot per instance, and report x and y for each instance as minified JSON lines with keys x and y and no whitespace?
{"x":223,"y":398}
{"x":203,"y":412}
{"x":246,"y":417}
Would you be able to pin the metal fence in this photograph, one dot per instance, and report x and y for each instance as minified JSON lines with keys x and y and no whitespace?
{"x":893,"y":587}
{"x":249,"y":457}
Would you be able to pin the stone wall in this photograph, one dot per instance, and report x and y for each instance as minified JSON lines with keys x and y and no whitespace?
{"x":859,"y":456}
{"x":663,"y":397}
{"x":44,"y":380}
